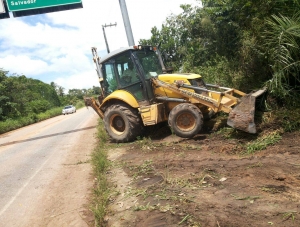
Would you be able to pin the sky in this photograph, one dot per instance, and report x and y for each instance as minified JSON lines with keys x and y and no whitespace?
{"x":56,"y":47}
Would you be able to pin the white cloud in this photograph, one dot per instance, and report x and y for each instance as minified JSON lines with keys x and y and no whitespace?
{"x":86,"y":79}
{"x":73,"y":62}
{"x":23,"y":65}
{"x":60,"y":43}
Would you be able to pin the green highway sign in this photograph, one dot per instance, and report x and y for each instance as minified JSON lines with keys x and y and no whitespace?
{"x":17,"y":5}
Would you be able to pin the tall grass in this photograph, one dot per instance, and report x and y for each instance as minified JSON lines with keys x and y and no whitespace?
{"x":288,"y":119}
{"x":12,"y":124}
{"x":263,"y":142}
{"x":101,"y":189}
{"x":80,"y":104}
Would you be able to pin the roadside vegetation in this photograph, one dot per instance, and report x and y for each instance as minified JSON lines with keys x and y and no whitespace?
{"x":242,"y":44}
{"x":237,"y":43}
{"x":100,"y":165}
{"x":234,"y":43}
{"x":24,"y":101}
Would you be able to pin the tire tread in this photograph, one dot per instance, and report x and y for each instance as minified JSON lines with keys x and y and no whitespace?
{"x":135,"y":123}
{"x":179,"y":108}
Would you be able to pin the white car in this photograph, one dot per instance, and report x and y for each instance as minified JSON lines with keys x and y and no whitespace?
{"x":69,"y":109}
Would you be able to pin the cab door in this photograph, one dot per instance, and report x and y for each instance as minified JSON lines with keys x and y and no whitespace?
{"x":135,"y":84}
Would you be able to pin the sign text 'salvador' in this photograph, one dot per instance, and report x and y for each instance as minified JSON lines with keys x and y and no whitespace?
{"x":17,"y":5}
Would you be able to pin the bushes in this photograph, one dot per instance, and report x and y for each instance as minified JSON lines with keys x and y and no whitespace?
{"x":22,"y":96}
{"x":37,"y":106}
{"x":79,"y":104}
{"x":12,"y":124}
{"x":288,"y":119}
{"x":100,"y":165}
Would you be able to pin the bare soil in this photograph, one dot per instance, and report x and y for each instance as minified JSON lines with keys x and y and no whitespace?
{"x":205,"y":181}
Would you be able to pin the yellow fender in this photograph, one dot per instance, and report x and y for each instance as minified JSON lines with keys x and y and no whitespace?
{"x":121,"y":95}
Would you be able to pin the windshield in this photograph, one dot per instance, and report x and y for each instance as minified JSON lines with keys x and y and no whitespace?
{"x":150,"y":63}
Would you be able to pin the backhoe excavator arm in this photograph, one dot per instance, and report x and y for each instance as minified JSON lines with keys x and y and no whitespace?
{"x":90,"y":101}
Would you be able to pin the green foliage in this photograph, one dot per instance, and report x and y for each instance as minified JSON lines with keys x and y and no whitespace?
{"x":12,"y":124}
{"x":282,"y":39}
{"x":21,"y":96}
{"x":287,"y":121}
{"x":24,"y":101}
{"x":37,"y":106}
{"x":263,"y":142}
{"x":79,"y":104}
{"x":240,"y":43}
{"x":75,"y":96}
{"x":49,"y":114}
{"x":100,"y":164}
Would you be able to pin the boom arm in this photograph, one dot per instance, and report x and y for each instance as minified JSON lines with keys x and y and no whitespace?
{"x":90,"y":101}
{"x":240,"y":117}
{"x":217,"y":102}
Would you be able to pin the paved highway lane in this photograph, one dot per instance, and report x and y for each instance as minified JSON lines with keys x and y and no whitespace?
{"x":42,"y":165}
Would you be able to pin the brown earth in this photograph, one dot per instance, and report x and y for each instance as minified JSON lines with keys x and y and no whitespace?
{"x":205,"y":181}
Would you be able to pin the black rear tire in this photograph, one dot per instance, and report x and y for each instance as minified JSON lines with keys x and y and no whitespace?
{"x":186,"y":120}
{"x":122,"y":123}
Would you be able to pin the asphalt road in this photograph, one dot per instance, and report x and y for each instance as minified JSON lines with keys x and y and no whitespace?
{"x":32,"y":160}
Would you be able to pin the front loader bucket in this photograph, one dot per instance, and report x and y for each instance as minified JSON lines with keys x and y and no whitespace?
{"x":242,"y":115}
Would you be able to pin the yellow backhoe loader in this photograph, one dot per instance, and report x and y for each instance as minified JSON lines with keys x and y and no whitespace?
{"x":137,"y":90}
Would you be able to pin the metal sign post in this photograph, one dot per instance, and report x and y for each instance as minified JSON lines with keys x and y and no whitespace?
{"x":2,"y":9}
{"x":126,"y":22}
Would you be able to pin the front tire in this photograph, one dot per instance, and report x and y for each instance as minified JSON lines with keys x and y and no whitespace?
{"x":122,"y":123}
{"x":186,"y":120}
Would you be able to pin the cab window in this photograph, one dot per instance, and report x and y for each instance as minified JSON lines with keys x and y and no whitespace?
{"x":109,"y":78}
{"x":150,"y":63}
{"x":127,"y":72}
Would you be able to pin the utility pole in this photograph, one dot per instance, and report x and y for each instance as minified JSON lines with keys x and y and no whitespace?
{"x":104,"y":26}
{"x":126,"y":22}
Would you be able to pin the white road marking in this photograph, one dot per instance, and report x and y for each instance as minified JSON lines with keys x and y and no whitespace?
{"x":22,"y":188}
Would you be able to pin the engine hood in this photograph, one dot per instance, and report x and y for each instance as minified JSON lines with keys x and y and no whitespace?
{"x":178,"y":76}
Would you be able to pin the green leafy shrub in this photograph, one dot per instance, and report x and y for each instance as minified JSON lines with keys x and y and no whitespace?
{"x":289,"y":120}
{"x":79,"y":104}
{"x":37,"y":106}
{"x":12,"y":124}
{"x":263,"y":142}
{"x":100,"y":166}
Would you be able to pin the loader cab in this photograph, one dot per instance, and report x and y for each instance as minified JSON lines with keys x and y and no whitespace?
{"x":131,"y":69}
